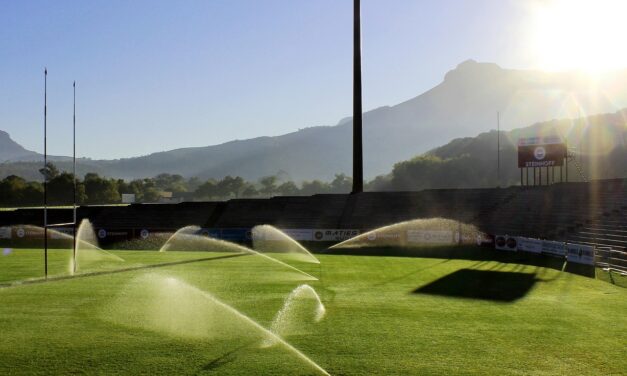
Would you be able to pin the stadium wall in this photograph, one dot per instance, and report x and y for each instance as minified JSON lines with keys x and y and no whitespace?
{"x":550,"y":212}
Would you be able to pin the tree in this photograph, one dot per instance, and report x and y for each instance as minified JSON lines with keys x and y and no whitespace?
{"x":61,"y":190}
{"x":380,"y":183}
{"x":32,"y":194}
{"x":193,"y":183}
{"x":341,"y":184}
{"x":268,"y":185}
{"x":170,"y":183}
{"x":151,"y":194}
{"x":16,"y":191}
{"x":249,"y":191}
{"x":11,"y":190}
{"x":206,"y":190}
{"x":100,"y":190}
{"x":49,"y":171}
{"x":313,"y":187}
{"x":230,"y":186}
{"x":287,"y":189}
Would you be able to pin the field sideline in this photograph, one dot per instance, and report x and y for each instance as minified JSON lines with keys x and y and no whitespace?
{"x":384,"y":315}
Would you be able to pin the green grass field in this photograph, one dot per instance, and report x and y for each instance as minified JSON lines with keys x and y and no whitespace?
{"x":384,"y":315}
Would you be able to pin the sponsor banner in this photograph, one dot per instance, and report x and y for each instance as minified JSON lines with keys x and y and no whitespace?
{"x":334,"y":235}
{"x":553,"y":248}
{"x":104,"y":234}
{"x":384,"y":238}
{"x":28,"y":233}
{"x":506,"y":243}
{"x":430,"y":236}
{"x":529,"y":245}
{"x":581,"y":254}
{"x":541,"y":152}
{"x":61,"y":233}
{"x":5,"y":232}
{"x":144,"y":233}
{"x":299,"y":234}
{"x":210,"y":232}
{"x":236,"y":234}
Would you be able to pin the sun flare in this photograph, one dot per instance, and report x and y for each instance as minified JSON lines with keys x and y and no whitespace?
{"x":584,"y":35}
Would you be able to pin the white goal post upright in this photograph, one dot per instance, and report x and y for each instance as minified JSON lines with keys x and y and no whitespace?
{"x":46,"y":176}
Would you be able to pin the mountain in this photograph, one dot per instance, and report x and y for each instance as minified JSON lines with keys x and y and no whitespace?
{"x":12,"y":151}
{"x":465,"y":103}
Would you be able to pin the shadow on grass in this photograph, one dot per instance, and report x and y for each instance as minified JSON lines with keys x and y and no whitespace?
{"x":115,"y":271}
{"x":223,"y":359}
{"x":481,"y":284}
{"x":472,"y":253}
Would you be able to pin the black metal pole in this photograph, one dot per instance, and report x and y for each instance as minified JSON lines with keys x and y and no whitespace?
{"x":358,"y":163}
{"x":552,"y":174}
{"x":566,"y":161}
{"x":45,"y":172}
{"x":498,"y":149}
{"x":74,"y":177}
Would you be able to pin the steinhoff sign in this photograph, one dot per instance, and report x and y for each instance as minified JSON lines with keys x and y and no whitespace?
{"x":541,"y":151}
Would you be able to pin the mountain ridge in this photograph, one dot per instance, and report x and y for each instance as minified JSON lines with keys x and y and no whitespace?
{"x":463,"y":104}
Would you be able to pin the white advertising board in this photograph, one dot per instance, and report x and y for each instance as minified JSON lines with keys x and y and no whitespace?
{"x":384,"y":236}
{"x":529,"y":245}
{"x":430,"y":236}
{"x":554,"y":248}
{"x":299,"y":234}
{"x":580,"y":254}
{"x":5,"y":232}
{"x":334,"y":235}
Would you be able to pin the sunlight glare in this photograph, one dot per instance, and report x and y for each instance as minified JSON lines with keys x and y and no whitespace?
{"x":585,"y":35}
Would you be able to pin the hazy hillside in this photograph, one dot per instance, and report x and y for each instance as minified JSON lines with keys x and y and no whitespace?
{"x":464,"y":104}
{"x":12,"y":151}
{"x":599,"y":144}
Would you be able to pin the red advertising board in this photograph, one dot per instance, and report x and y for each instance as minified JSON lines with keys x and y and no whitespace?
{"x":541,"y":152}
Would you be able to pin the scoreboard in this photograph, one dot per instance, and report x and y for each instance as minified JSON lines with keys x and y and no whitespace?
{"x":541,"y":151}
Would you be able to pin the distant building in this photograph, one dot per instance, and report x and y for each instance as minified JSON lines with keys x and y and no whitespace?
{"x":128,"y":198}
{"x":168,"y":198}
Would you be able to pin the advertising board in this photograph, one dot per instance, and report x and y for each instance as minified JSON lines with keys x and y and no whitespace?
{"x":580,"y":254}
{"x":541,"y":152}
{"x":430,"y":236}
{"x":334,"y":235}
{"x":529,"y":245}
{"x":553,"y":248}
{"x":506,"y":243}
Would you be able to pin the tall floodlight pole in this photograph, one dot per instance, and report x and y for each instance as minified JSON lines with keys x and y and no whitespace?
{"x":358,"y":161}
{"x":45,"y":173}
{"x":498,"y":149}
{"x":74,"y":177}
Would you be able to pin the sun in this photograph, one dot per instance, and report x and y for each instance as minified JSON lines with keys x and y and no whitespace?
{"x":586,"y":35}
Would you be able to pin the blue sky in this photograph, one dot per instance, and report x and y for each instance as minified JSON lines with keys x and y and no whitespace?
{"x":157,"y":75}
